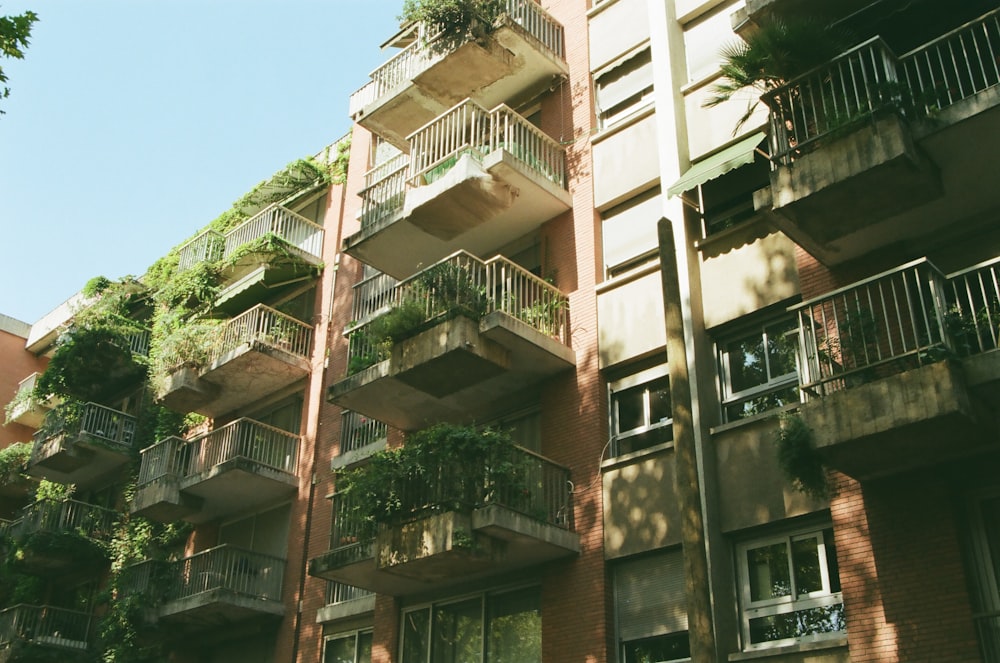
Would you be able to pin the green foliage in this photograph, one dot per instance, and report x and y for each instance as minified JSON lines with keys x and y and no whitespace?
{"x":22,"y":399}
{"x":90,"y":364}
{"x":13,"y":460}
{"x":798,"y":458}
{"x":450,"y":23}
{"x":95,"y":286}
{"x":52,"y":491}
{"x":339,"y":164}
{"x":14,"y":34}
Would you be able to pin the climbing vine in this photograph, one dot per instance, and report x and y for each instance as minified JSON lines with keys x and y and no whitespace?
{"x":798,"y":458}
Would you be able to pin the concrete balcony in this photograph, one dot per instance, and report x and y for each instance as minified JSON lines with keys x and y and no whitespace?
{"x":273,"y":247}
{"x":462,"y":339}
{"x":360,"y":437}
{"x":475,"y":179}
{"x":83,"y":443}
{"x":26,"y":408}
{"x":455,"y":531}
{"x":885,"y":390}
{"x":254,"y":355}
{"x":520,"y":57}
{"x":875,"y":148}
{"x":45,"y":633}
{"x":241,"y":465}
{"x":222,"y":585}
{"x":62,"y":537}
{"x":759,"y":12}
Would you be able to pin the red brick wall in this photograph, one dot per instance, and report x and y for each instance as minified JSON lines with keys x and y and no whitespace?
{"x":17,"y":364}
{"x":905,"y":590}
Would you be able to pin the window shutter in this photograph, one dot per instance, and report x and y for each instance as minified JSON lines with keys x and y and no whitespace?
{"x":649,"y":596}
{"x":625,"y":80}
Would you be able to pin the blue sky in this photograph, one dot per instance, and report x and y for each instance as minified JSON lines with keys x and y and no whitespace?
{"x":133,"y":123}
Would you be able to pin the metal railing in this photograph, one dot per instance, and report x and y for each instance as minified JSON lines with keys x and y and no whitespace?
{"x":265,"y":325}
{"x":371,"y":295}
{"x":973,"y":316}
{"x":138,"y":342}
{"x":358,"y":431}
{"x":464,"y":282}
{"x":870,"y":77}
{"x":89,"y":520}
{"x":168,"y":457}
{"x":141,"y":578}
{"x":112,"y":427}
{"x":956,"y":65}
{"x":294,"y":228}
{"x":385,"y":196}
{"x":228,"y":568}
{"x":244,"y":438}
{"x":338,"y":592}
{"x":536,"y":23}
{"x":45,"y":625}
{"x":879,"y":326}
{"x":207,"y":246}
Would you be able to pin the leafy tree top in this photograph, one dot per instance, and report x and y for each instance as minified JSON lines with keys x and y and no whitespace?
{"x":14,"y":33}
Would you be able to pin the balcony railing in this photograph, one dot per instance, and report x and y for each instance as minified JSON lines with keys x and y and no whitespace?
{"x":138,"y":342}
{"x":168,"y":457}
{"x":870,"y":77}
{"x":227,"y":567}
{"x":358,"y":431}
{"x":973,"y":315}
{"x":44,"y":625}
{"x":266,"y":325}
{"x":338,"y":592}
{"x":372,"y":295}
{"x":295,"y":229}
{"x":244,"y":438}
{"x":385,"y":190}
{"x":113,"y":428}
{"x":67,"y":515}
{"x":419,"y":55}
{"x":464,"y":282}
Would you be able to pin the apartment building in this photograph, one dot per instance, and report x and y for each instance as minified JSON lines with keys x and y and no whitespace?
{"x":433,"y":398}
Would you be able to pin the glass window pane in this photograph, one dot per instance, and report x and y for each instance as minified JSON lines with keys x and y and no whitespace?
{"x":340,"y":650}
{"x":416,"y":633}
{"x":515,"y":630}
{"x":805,"y":562}
{"x":458,"y":633}
{"x":671,"y":647}
{"x":365,"y":647}
{"x":630,"y":408}
{"x":828,"y":619}
{"x":763,"y":403}
{"x":832,"y":568}
{"x":746,"y":363}
{"x":781,"y":348}
{"x":659,"y":401}
{"x":768,"y":569}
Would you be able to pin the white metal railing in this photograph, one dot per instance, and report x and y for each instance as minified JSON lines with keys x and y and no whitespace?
{"x":243,"y":438}
{"x":870,"y":77}
{"x":973,"y":316}
{"x":265,"y":325}
{"x":535,"y":22}
{"x":876,"y":327}
{"x":65,"y":515}
{"x":226,"y":567}
{"x":114,"y":428}
{"x":294,"y":228}
{"x":371,"y":295}
{"x":138,"y":342}
{"x":358,"y":431}
{"x":207,"y":246}
{"x":956,"y":65}
{"x":464,"y":282}
{"x":338,"y":592}
{"x":168,"y":457}
{"x":385,"y":195}
{"x":44,"y":625}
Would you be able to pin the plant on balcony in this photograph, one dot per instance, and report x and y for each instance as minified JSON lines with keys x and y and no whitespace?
{"x":451,"y":23}
{"x":90,"y":364}
{"x":798,"y":458}
{"x":13,"y":460}
{"x":187,"y":343}
{"x":774,"y":54}
{"x":23,"y":399}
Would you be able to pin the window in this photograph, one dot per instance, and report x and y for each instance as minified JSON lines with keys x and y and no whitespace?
{"x":500,"y":627}
{"x":790,"y":589}
{"x":640,"y":411}
{"x":651,"y":609}
{"x":629,"y":234}
{"x":983,"y":557}
{"x":623,"y":88}
{"x":727,"y":200}
{"x":757,"y":368}
{"x":348,"y":648}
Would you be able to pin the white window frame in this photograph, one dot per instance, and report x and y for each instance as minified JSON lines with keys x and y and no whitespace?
{"x":774,"y":383}
{"x":639,"y":100}
{"x":825,"y":597}
{"x":637,"y":379}
{"x":356,"y":634}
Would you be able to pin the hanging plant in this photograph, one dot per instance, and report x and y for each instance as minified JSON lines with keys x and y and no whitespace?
{"x":798,"y":458}
{"x":451,"y":23}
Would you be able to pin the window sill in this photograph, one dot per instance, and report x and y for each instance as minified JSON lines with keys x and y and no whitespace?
{"x":624,"y":123}
{"x":634,"y":274}
{"x":624,"y":459}
{"x":763,"y":416}
{"x":778,"y":650}
{"x":745,"y":232}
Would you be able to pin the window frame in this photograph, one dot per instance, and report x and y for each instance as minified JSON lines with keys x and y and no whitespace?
{"x":728,"y":397}
{"x":629,"y":106}
{"x":627,"y":383}
{"x":789,"y":603}
{"x":355,"y":633}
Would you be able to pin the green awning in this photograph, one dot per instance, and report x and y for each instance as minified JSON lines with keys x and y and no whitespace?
{"x":734,"y":156}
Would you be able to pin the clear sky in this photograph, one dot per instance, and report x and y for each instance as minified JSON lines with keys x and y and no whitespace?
{"x":133,"y":123}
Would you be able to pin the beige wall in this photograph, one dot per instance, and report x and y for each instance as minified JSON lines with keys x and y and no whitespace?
{"x":640,"y":512}
{"x":739,"y":277}
{"x":614,"y":30}
{"x":625,"y":161}
{"x":630,"y":316}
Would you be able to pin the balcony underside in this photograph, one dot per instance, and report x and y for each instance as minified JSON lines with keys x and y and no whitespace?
{"x":162,"y":500}
{"x":509,"y":67}
{"x":475,"y":207}
{"x":235,"y":486}
{"x":759,"y":12}
{"x":77,"y":459}
{"x":238,"y":378}
{"x":458,"y":371}
{"x":890,"y":182}
{"x":447,"y":549}
{"x":218,"y":608}
{"x":257,"y":279}
{"x":912,"y":419}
